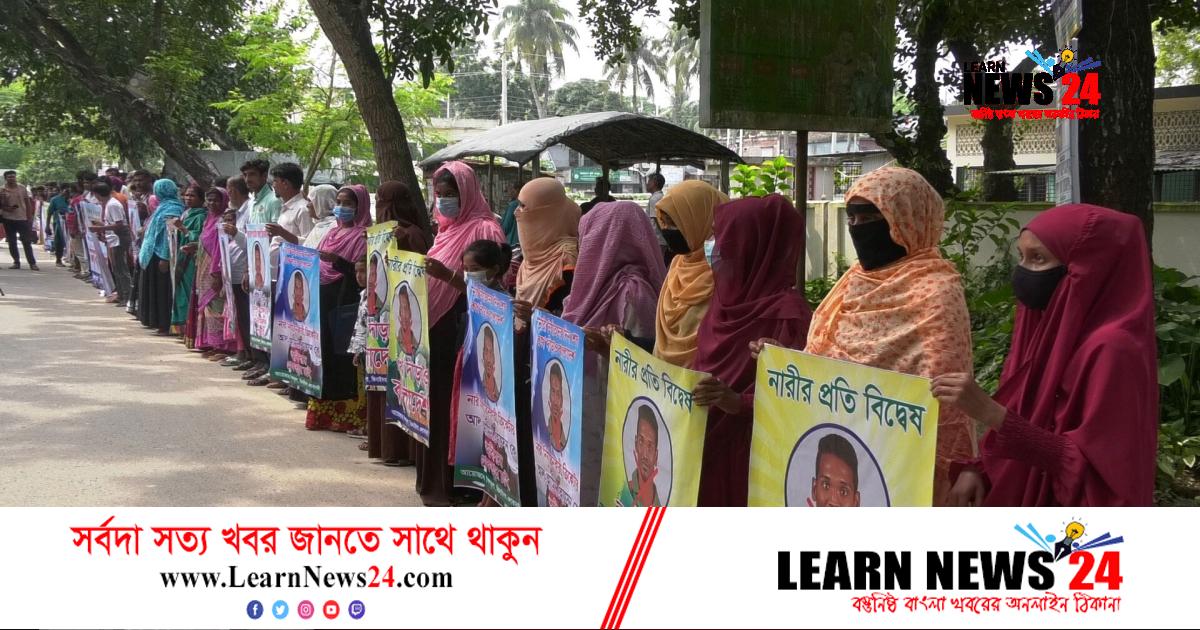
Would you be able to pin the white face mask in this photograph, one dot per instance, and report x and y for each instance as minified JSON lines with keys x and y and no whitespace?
{"x":478,"y":276}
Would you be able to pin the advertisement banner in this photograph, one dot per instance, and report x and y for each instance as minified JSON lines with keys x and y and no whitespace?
{"x":379,"y":237}
{"x":557,"y":387}
{"x":296,"y":334}
{"x":831,"y":433}
{"x":653,"y":433}
{"x":486,"y":446}
{"x":258,"y":272}
{"x":408,"y":346}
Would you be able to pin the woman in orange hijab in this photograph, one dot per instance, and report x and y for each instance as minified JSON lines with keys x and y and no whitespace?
{"x":686,"y":218}
{"x":901,"y":307}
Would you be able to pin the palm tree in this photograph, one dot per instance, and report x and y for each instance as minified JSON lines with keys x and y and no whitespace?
{"x":683,"y":65}
{"x":635,"y":65}
{"x":535,"y":32}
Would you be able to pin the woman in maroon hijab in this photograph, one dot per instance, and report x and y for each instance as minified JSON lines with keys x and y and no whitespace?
{"x":1075,"y":420}
{"x":758,"y":243}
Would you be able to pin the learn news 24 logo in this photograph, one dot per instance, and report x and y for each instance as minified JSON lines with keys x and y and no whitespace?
{"x":963,"y":570}
{"x":991,"y":84}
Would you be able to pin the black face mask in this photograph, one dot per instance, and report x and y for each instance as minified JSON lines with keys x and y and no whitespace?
{"x":1035,"y":288}
{"x":676,"y":242}
{"x":874,"y":245}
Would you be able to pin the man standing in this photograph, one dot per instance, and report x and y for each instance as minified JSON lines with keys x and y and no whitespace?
{"x":57,"y":211}
{"x":235,"y":227}
{"x":294,"y":222}
{"x":602,"y":195}
{"x":115,"y":230}
{"x":655,"y":184}
{"x":16,"y":210}
{"x":264,"y":209}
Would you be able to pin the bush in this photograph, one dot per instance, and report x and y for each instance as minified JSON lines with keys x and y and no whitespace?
{"x":774,"y":176}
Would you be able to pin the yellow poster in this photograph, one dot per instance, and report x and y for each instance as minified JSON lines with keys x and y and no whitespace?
{"x":408,"y":343}
{"x":831,"y":433}
{"x":653,"y":433}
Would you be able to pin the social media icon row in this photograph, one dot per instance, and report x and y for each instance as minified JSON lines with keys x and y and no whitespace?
{"x":305,"y":609}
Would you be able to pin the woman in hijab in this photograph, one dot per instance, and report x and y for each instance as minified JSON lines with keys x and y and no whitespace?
{"x":183,"y":317}
{"x":463,"y":217}
{"x":155,"y":300}
{"x":210,"y":295}
{"x":1075,"y":419}
{"x":901,"y":306}
{"x":758,"y":243}
{"x":548,"y":223}
{"x":341,"y":406}
{"x":508,"y":220}
{"x":619,"y":275}
{"x":685,"y":216}
{"x":394,"y":203}
{"x":321,"y":201}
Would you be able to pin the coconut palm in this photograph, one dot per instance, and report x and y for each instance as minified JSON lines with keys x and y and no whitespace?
{"x":535,"y":33}
{"x":635,"y":65}
{"x":682,"y":66}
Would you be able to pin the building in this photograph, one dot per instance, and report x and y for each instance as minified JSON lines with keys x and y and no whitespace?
{"x":1176,"y":141}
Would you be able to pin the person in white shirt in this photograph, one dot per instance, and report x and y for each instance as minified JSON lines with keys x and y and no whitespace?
{"x":115,"y":229}
{"x":294,"y":219}
{"x":234,"y":226}
{"x":655,"y":183}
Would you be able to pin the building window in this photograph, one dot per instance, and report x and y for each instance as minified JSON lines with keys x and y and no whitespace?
{"x":1036,"y":188}
{"x":845,"y":175}
{"x":1178,"y":186}
{"x":969,"y":177}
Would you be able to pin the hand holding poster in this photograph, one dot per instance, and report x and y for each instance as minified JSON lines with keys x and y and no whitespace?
{"x":379,"y":237}
{"x":557,"y":385}
{"x":135,"y":229}
{"x":408,"y":347}
{"x":230,"y":313}
{"x":258,"y":272}
{"x":833,"y":433}
{"x":653,"y":433}
{"x":486,"y":451}
{"x":296,"y":333}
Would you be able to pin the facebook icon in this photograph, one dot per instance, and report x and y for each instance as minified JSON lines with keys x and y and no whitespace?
{"x":254,"y":609}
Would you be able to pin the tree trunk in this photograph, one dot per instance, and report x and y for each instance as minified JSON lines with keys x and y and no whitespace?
{"x":1116,"y":167}
{"x":929,"y":158}
{"x":48,"y":36}
{"x":537,"y":102}
{"x":225,"y":141}
{"x":997,"y":143}
{"x":346,"y":26}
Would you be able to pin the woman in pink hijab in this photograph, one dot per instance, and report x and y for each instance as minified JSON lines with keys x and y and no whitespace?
{"x":463,"y":217}
{"x":342,"y":404}
{"x":617,"y":280}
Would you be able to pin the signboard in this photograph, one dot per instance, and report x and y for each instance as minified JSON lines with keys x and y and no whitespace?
{"x":1068,"y":20}
{"x":1066,"y":149}
{"x":589,"y":174}
{"x":822,"y":65}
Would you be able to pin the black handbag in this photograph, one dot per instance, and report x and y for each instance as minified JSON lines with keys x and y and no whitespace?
{"x":345,"y":316}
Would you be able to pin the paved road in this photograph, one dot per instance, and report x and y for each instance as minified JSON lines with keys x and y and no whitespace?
{"x":94,"y":410}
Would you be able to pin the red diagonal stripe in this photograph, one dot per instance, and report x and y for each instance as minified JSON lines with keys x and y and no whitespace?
{"x":625,"y":573}
{"x":641,"y":564}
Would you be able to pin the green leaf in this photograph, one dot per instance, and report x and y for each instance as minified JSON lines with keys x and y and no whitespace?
{"x":1170,"y":370}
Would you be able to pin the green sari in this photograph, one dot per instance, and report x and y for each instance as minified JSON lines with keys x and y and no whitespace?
{"x":185,"y":269}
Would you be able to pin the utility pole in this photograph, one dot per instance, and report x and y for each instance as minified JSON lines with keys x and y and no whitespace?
{"x":503,"y":88}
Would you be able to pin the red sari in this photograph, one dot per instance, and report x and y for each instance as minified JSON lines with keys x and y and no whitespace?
{"x":759,"y":242}
{"x":1080,"y":383}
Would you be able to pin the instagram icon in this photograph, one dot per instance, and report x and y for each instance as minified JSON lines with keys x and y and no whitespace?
{"x":304,"y":609}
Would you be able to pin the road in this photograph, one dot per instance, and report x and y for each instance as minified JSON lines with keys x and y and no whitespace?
{"x":95,"y":410}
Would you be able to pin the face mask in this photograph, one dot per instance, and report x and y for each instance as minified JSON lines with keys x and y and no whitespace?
{"x":344,"y":214}
{"x":478,"y":276}
{"x":676,"y":242}
{"x":1035,"y":288}
{"x":874,"y":245}
{"x":448,"y":206}
{"x":711,"y":253}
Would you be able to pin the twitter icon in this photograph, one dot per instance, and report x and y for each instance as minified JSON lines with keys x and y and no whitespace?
{"x":280,"y":609}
